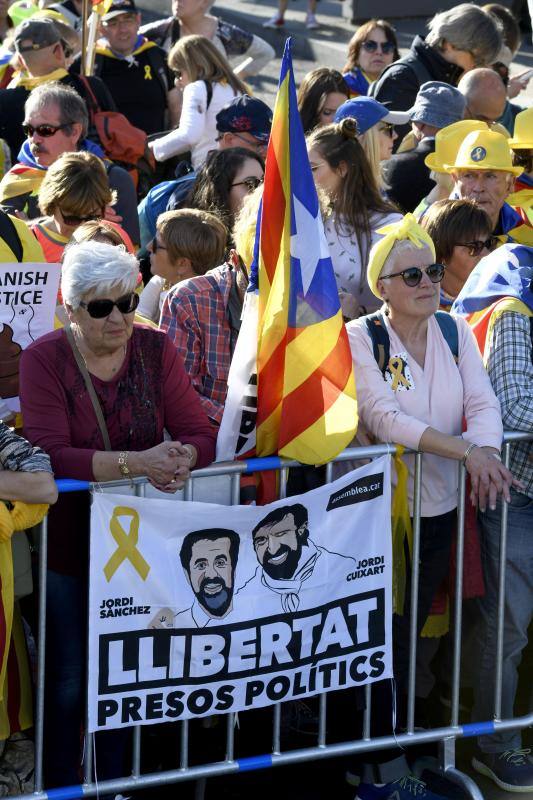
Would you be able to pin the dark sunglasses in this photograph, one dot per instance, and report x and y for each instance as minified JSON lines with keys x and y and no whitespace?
{"x":413,"y":275}
{"x":251,"y":183}
{"x":155,"y":246}
{"x":371,"y":46}
{"x":387,"y":128}
{"x":98,"y":309}
{"x":44,"y":130}
{"x":72,"y":219}
{"x":475,"y":248}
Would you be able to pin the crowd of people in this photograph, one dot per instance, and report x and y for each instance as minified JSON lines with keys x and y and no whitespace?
{"x":144,"y":181}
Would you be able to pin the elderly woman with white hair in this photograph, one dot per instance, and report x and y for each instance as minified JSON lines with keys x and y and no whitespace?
{"x":419,"y":374}
{"x":98,"y":396}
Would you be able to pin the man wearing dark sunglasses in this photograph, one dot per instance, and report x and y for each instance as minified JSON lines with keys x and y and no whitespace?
{"x":41,"y":52}
{"x":56,"y":122}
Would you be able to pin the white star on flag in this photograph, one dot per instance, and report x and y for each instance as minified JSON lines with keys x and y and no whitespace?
{"x":309,"y":243}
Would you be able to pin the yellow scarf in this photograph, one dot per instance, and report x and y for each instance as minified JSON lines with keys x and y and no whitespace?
{"x":29,"y":82}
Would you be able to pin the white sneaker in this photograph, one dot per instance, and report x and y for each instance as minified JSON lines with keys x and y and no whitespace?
{"x":311,"y":22}
{"x":275,"y":22}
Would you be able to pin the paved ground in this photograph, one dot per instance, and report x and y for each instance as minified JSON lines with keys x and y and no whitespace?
{"x":327,"y":47}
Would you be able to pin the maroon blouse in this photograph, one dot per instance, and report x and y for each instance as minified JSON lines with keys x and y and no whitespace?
{"x":150,"y":393}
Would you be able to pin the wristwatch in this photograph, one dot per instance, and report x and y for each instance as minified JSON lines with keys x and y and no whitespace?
{"x":123,"y":465}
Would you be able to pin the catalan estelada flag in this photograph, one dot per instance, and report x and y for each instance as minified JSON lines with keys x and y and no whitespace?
{"x":303,"y":387}
{"x":500,"y":282}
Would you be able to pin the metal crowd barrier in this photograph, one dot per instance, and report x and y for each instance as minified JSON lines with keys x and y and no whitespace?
{"x":220,"y":483}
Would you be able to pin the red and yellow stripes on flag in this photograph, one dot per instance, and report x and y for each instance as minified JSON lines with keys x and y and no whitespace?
{"x":307,"y":406}
{"x":101,"y":6}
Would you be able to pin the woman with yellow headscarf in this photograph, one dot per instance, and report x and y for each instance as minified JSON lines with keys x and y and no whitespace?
{"x":418,"y":373}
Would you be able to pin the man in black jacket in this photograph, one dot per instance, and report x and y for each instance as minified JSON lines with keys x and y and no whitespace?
{"x":39,"y":47}
{"x":460,"y":39}
{"x":406,"y":174}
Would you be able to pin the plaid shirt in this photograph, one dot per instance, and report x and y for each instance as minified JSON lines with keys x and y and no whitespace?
{"x":195,"y":316}
{"x":511,"y":373}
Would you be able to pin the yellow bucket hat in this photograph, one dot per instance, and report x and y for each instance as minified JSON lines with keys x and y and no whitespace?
{"x":523,"y":131}
{"x":448,"y":141}
{"x":406,"y":228}
{"x":484,"y":150}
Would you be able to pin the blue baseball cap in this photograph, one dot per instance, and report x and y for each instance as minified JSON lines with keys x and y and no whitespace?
{"x":245,"y":114}
{"x":367,"y":112}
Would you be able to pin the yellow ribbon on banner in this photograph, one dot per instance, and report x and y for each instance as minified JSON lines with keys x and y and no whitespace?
{"x":396,"y":366}
{"x":127,"y":544}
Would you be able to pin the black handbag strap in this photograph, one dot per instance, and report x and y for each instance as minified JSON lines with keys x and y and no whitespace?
{"x":90,"y":388}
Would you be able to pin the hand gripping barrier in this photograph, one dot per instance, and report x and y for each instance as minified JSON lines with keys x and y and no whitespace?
{"x":220,"y":483}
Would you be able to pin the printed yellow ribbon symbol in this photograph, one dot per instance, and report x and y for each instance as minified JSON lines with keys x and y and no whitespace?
{"x":148,"y":72}
{"x":127,"y":544}
{"x":396,"y":366}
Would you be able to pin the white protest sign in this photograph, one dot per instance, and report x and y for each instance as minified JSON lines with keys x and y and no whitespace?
{"x":28,"y":299}
{"x":199,"y":609}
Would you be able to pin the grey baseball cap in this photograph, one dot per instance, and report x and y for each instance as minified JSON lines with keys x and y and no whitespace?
{"x":35,"y":34}
{"x":438,"y":104}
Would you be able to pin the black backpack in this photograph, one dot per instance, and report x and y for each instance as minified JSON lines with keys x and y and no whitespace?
{"x":377,"y":331}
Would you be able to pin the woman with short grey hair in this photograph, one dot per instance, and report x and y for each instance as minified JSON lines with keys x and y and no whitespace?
{"x":460,"y":39}
{"x":98,"y":396}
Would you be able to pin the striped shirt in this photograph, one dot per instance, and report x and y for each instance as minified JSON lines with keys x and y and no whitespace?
{"x":510,"y":370}
{"x":17,"y":454}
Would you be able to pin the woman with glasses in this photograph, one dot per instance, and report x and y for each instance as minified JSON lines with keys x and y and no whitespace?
{"x":372,"y":48}
{"x":462,"y":234}
{"x":98,"y":397}
{"x":418,"y":397}
{"x":187,"y":243}
{"x":224,"y":182}
{"x":320,"y":94}
{"x":74,"y":190}
{"x":208,"y":84}
{"x":343,"y":173}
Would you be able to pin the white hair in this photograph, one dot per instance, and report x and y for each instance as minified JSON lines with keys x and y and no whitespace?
{"x":397,"y":249}
{"x":96,"y":267}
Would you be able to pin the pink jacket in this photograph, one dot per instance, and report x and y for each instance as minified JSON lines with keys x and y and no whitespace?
{"x":414,"y":398}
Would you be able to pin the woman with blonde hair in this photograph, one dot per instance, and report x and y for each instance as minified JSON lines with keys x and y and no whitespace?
{"x":74,"y":190}
{"x":208,"y":84}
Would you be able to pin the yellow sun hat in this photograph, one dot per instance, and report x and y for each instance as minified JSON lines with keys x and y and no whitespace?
{"x":484,"y":150}
{"x":523,"y":131}
{"x":21,"y":10}
{"x":448,"y":141}
{"x":406,"y":228}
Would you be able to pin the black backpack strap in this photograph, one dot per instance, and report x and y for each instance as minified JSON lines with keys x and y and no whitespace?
{"x":156,"y":59}
{"x":9,"y":234}
{"x":377,"y":331}
{"x":209,"y":89}
{"x":448,"y":328}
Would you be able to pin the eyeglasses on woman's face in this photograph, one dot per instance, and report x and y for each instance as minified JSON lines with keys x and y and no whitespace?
{"x":413,"y":275}
{"x":75,"y":220}
{"x":372,"y":47}
{"x":476,"y":247}
{"x":251,"y":183}
{"x":155,"y":246}
{"x":98,"y":309}
{"x":387,"y":128}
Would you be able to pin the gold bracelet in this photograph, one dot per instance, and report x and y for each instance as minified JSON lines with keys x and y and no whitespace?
{"x":123,"y":465}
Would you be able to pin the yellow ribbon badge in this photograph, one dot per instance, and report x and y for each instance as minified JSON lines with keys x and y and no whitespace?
{"x":396,"y":367}
{"x":127,"y":544}
{"x":148,"y":72}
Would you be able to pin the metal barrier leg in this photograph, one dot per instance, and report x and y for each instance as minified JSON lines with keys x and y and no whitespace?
{"x":415,"y":574}
{"x":41,"y":658}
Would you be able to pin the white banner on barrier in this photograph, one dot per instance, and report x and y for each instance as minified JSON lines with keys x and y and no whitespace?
{"x":200,"y":609}
{"x":28,"y":299}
